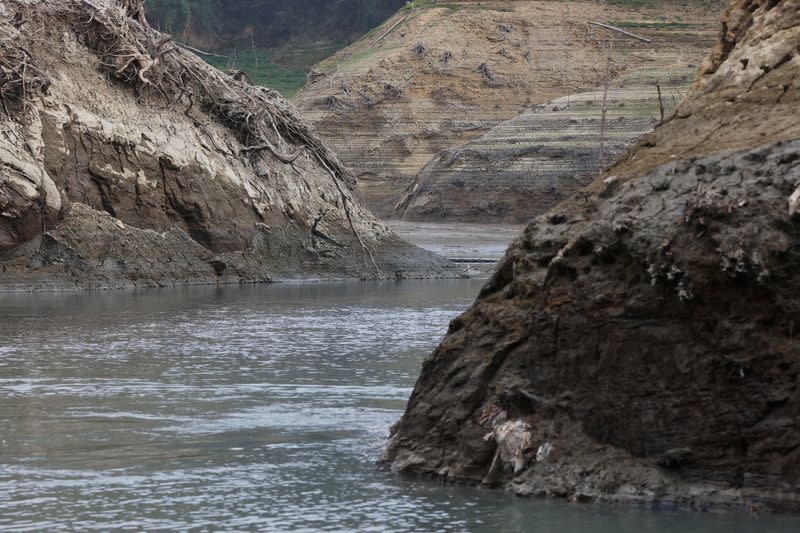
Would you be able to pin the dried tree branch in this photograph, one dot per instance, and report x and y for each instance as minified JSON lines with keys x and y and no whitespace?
{"x":620,"y":30}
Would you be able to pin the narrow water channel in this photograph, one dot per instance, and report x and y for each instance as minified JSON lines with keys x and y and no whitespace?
{"x":247,"y":408}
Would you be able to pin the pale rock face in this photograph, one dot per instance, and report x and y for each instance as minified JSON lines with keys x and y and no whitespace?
{"x":91,"y":138}
{"x":756,"y":51}
{"x":794,"y":202}
{"x":29,"y":198}
{"x":543,"y":452}
{"x":746,"y":93}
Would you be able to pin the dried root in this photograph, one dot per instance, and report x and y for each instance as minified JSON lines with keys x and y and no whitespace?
{"x":20,"y":77}
{"x":142,"y":63}
{"x":150,"y":61}
{"x":152,"y":64}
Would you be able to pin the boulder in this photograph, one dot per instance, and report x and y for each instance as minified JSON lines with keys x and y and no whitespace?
{"x":646,"y":327}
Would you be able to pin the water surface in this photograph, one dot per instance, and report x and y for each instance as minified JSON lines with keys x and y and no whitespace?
{"x":247,"y":408}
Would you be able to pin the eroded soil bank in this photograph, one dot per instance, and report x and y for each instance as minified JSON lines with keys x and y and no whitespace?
{"x":126,"y":160}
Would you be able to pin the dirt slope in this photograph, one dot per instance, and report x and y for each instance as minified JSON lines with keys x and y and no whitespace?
{"x":119,"y":147}
{"x":746,"y":93}
{"x":437,"y":76}
{"x":638,"y":343}
{"x":526,"y":165}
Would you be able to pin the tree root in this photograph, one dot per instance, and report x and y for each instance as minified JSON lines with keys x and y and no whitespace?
{"x":261,"y":120}
{"x":135,"y":10}
{"x":20,"y":76}
{"x":283,"y":158}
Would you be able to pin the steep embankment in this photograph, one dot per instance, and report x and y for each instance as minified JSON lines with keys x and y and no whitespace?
{"x":434,"y":77}
{"x":638,"y":342}
{"x":127,"y":160}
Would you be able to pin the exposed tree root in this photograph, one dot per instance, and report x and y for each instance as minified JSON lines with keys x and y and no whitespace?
{"x":286,"y":159}
{"x":20,"y":77}
{"x":151,"y":63}
{"x":135,"y":10}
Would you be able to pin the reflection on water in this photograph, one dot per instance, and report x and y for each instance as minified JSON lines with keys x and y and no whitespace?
{"x":252,"y":408}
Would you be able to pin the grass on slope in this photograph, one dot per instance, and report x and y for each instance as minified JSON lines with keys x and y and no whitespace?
{"x":283,"y":70}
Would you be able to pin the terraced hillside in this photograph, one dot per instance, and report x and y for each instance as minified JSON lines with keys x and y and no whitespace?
{"x":528,"y":164}
{"x":438,"y":75}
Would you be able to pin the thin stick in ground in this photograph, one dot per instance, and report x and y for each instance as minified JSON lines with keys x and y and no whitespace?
{"x":660,"y":99}
{"x":601,"y":156}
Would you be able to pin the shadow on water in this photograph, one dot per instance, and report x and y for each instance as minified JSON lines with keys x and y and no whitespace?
{"x":244,"y":408}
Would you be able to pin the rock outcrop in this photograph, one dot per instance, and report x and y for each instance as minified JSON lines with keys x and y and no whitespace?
{"x":126,"y":160}
{"x":435,"y":77}
{"x":643,"y":332}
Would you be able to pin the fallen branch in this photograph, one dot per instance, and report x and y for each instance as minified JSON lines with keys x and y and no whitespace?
{"x":620,"y":30}
{"x":382,"y":37}
{"x":201,"y":52}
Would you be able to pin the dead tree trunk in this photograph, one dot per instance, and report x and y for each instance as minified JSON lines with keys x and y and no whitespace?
{"x":620,"y":30}
{"x":604,"y":111}
{"x":660,"y":100}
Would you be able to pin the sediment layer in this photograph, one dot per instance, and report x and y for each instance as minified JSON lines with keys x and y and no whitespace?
{"x":433,"y":78}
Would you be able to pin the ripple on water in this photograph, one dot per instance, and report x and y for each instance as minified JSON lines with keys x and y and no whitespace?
{"x":253,"y":408}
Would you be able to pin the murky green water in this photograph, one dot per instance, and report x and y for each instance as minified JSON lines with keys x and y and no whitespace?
{"x":253,"y":408}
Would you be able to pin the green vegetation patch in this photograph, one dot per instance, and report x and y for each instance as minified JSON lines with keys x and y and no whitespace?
{"x":261,"y":68}
{"x":413,"y":4}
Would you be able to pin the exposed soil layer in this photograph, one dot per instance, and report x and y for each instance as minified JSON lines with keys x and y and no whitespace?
{"x":746,"y":94}
{"x":126,"y":160}
{"x":638,"y":342}
{"x":436,"y":77}
{"x":525,"y":166}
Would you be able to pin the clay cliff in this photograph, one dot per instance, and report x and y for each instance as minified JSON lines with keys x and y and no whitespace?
{"x":126,"y":160}
{"x":638,"y":342}
{"x":441,"y":74}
